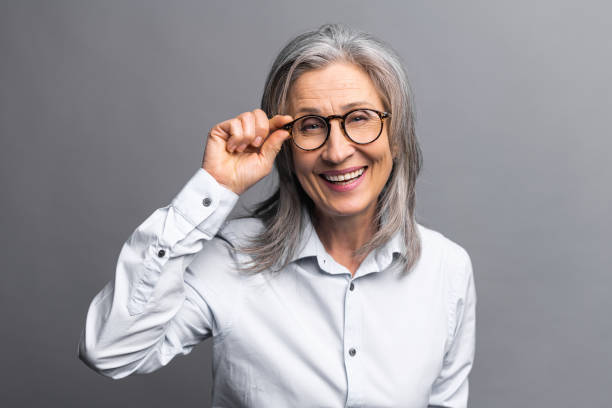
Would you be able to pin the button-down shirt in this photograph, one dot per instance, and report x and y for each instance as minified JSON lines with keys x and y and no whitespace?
{"x":312,"y":335}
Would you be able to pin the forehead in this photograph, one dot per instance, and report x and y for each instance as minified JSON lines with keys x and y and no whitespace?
{"x":332,"y":87}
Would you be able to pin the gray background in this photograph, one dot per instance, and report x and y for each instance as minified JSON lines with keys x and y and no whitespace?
{"x":104,"y":107}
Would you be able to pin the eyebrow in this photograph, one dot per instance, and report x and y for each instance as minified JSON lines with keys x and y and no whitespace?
{"x":348,"y":106}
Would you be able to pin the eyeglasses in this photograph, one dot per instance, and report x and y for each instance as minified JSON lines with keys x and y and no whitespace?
{"x":361,"y":126}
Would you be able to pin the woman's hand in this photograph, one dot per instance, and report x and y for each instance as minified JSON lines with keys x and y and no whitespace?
{"x":241,"y":151}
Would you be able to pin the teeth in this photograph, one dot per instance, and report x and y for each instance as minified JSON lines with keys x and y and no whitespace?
{"x":345,"y":176}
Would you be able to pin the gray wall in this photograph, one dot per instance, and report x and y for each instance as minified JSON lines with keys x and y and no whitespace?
{"x":104,"y":107}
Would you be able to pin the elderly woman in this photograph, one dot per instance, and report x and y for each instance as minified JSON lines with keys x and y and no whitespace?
{"x":331,"y":295}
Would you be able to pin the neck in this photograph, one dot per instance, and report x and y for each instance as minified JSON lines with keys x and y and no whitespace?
{"x":343,"y":235}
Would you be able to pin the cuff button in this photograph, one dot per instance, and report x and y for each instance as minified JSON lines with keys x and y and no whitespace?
{"x":206,"y":202}
{"x":161,"y":253}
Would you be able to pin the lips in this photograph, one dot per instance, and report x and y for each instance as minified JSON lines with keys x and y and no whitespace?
{"x":344,"y":180}
{"x":344,"y":177}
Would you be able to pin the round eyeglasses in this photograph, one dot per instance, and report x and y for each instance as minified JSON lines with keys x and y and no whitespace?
{"x":361,"y":126}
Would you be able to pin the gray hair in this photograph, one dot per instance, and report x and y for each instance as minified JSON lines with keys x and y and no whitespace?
{"x":281,"y":214}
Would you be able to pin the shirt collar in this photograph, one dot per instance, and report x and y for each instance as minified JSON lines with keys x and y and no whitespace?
{"x":309,"y":240}
{"x":378,"y":260}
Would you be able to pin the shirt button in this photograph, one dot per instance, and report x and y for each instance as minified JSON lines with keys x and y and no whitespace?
{"x":206,"y":202}
{"x":161,"y":253}
{"x":352,"y":352}
{"x":352,"y":287}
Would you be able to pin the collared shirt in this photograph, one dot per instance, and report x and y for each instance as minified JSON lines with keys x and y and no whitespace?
{"x":312,"y":335}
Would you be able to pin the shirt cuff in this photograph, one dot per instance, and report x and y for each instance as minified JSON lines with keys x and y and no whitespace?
{"x":205,"y":203}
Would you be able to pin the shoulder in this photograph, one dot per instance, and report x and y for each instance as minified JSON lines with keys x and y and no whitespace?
{"x":450,"y":258}
{"x":216,"y":272}
{"x":221,"y":250}
{"x":237,"y":232}
{"x":439,"y":244}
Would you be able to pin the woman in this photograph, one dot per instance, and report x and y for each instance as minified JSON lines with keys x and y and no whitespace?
{"x":331,"y":295}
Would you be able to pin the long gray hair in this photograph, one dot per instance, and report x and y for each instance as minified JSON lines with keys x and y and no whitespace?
{"x":282,"y":213}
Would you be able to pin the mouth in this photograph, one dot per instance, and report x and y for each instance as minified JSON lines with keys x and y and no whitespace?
{"x":343,"y":177}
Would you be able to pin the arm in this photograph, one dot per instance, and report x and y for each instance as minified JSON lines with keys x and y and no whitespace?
{"x":149,"y":313}
{"x":450,"y":389}
{"x":157,"y":307}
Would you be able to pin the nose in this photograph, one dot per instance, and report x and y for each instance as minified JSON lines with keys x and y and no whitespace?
{"x":338,"y":146}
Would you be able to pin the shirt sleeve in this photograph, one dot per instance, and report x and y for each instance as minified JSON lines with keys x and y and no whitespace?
{"x":149,"y":313}
{"x":450,"y":389}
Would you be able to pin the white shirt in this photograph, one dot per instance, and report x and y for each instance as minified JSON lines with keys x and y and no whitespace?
{"x":312,"y":336}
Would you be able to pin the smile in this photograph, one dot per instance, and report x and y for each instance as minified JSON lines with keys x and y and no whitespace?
{"x":344,"y":178}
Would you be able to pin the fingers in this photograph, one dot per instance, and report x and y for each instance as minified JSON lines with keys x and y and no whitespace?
{"x":247,"y":122}
{"x":248,"y":128}
{"x":274,"y":142}
{"x":279,"y":121}
{"x":235,"y":134}
{"x":252,"y":129}
{"x":262,"y":127}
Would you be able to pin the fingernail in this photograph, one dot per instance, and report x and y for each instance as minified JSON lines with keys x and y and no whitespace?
{"x":242,"y":147}
{"x":257,"y":141}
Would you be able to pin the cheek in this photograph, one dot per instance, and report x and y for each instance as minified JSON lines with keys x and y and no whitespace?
{"x":383,"y":153}
{"x":384,"y":161}
{"x":303,"y":166}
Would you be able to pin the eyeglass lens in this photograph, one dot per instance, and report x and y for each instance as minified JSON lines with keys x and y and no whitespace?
{"x":361,"y":126}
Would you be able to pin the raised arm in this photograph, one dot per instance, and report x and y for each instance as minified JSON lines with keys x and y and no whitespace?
{"x":147,"y":314}
{"x":155,"y":308}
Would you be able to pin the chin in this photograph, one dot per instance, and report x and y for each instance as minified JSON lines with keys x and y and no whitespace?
{"x":347,"y":210}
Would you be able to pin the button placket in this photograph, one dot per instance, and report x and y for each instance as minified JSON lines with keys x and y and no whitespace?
{"x":353,"y":326}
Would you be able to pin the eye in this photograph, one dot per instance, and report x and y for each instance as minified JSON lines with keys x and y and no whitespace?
{"x":311,"y":125}
{"x":361,"y":117}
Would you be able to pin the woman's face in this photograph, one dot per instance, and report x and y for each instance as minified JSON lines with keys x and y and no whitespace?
{"x":334,"y":90}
